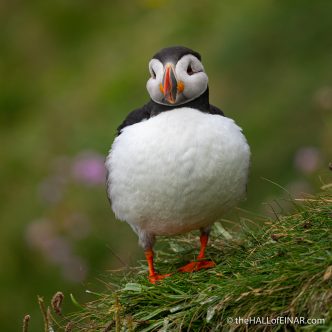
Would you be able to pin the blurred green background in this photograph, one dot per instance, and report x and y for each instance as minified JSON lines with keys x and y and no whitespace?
{"x":70,"y":71}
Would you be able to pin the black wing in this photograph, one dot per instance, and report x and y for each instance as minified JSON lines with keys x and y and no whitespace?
{"x":135,"y":116}
{"x":216,"y":110}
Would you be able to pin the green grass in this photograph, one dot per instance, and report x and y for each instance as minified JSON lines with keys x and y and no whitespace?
{"x":281,"y":267}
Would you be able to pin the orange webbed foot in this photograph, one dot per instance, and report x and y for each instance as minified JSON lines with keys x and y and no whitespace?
{"x":196,"y":266}
{"x":157,"y":277}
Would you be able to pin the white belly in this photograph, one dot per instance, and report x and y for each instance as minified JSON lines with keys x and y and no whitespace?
{"x":177,"y":171}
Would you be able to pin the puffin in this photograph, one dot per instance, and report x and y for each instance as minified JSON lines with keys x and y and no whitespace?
{"x":178,"y":163}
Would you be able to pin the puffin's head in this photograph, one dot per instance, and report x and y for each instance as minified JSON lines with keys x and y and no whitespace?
{"x":177,"y":76}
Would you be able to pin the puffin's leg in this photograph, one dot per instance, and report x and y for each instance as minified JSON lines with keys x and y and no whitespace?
{"x":153,"y":275}
{"x":147,"y":241}
{"x":201,"y":262}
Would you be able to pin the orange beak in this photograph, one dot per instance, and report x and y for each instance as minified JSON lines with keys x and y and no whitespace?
{"x":170,"y":86}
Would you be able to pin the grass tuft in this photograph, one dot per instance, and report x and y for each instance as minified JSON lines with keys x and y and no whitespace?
{"x":26,"y":321}
{"x":281,"y":267}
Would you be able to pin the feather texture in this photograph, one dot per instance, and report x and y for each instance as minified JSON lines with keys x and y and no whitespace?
{"x":177,"y":171}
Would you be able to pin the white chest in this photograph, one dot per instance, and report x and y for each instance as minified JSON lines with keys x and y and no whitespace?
{"x":177,"y":171}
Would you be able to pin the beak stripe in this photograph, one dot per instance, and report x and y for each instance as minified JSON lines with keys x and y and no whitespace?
{"x":170,"y":84}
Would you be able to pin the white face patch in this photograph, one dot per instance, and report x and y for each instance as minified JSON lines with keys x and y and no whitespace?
{"x":190,"y":71}
{"x":190,"y":75}
{"x":156,"y":70}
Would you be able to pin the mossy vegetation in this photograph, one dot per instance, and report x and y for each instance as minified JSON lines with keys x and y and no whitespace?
{"x":281,"y":267}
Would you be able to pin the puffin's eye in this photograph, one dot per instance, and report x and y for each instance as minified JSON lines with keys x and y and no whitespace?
{"x":189,"y":70}
{"x":153,"y":74}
